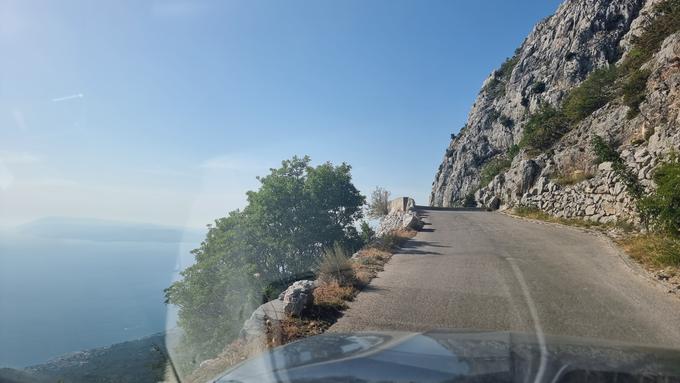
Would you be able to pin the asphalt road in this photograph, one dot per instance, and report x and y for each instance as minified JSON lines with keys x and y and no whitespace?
{"x":488,"y":271}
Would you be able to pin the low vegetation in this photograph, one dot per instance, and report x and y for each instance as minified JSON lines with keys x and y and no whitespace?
{"x":653,"y":249}
{"x":335,"y":267}
{"x":544,"y":128}
{"x":495,"y":88}
{"x":633,"y":91}
{"x":469,"y":200}
{"x":573,"y":177}
{"x":493,"y":168}
{"x":538,"y":214}
{"x":605,"y":152}
{"x":592,"y":94}
{"x":339,"y":282}
{"x":662,"y":207}
{"x":538,"y":87}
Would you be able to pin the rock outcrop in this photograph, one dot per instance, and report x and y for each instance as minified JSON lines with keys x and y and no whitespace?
{"x":291,"y":302}
{"x":559,"y":54}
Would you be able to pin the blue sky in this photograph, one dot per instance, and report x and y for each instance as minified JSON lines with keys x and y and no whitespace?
{"x":165,"y":111}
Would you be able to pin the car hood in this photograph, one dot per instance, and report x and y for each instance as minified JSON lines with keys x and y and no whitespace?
{"x":445,"y":356}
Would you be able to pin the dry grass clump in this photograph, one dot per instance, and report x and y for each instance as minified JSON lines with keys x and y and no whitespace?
{"x":573,"y":177}
{"x":653,"y":250}
{"x":335,"y":266}
{"x":333,"y":294}
{"x":292,"y":329}
{"x":364,"y":277}
{"x":574,"y":169}
{"x":538,"y":214}
{"x":394,"y":239}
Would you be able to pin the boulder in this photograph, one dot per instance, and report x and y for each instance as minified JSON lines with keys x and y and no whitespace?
{"x":297,"y":296}
{"x":605,"y":166}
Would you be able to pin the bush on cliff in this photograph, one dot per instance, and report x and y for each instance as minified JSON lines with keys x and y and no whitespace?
{"x":297,"y":211}
{"x":493,"y":168}
{"x":663,"y":205}
{"x":544,"y":128}
{"x":495,"y":88}
{"x":665,"y":23}
{"x":592,"y":94}
{"x":633,"y":91}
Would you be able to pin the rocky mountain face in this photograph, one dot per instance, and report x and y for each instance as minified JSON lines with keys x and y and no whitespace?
{"x":557,"y":56}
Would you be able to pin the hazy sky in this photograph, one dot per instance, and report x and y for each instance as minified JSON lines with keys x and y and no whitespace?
{"x":165,"y":111}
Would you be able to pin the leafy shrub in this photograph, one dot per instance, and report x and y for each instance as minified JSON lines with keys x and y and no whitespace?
{"x":469,"y":200}
{"x":633,"y":90}
{"x":513,"y":151}
{"x":506,"y":121}
{"x":335,"y":266}
{"x":379,"y":204}
{"x":663,"y":25}
{"x":544,"y":128}
{"x":604,"y":151}
{"x":538,"y":87}
{"x":496,"y":86}
{"x":493,"y":168}
{"x":492,"y":115}
{"x":663,"y":206}
{"x":592,"y":94}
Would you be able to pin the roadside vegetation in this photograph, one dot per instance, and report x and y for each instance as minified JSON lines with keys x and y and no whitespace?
{"x":250,"y":255}
{"x":605,"y":151}
{"x":538,"y":214}
{"x":300,"y":224}
{"x":658,"y":245}
{"x":340,"y":278}
{"x":493,"y":168}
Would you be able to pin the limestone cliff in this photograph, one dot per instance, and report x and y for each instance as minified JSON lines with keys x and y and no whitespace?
{"x":560,"y":53}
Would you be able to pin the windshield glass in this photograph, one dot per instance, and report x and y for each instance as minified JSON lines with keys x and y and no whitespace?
{"x":349,"y":190}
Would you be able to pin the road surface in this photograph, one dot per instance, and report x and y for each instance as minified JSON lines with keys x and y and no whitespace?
{"x":488,"y":271}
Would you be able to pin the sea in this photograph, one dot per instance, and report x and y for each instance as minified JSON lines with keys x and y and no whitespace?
{"x":69,"y":285}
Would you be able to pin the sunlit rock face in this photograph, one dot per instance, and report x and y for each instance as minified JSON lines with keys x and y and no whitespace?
{"x":558,"y":54}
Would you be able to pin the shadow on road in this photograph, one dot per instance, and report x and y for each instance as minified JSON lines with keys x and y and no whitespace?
{"x":426,"y":208}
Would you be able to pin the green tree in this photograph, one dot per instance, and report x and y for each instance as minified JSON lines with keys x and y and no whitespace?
{"x":279,"y":236}
{"x":367,"y":233}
